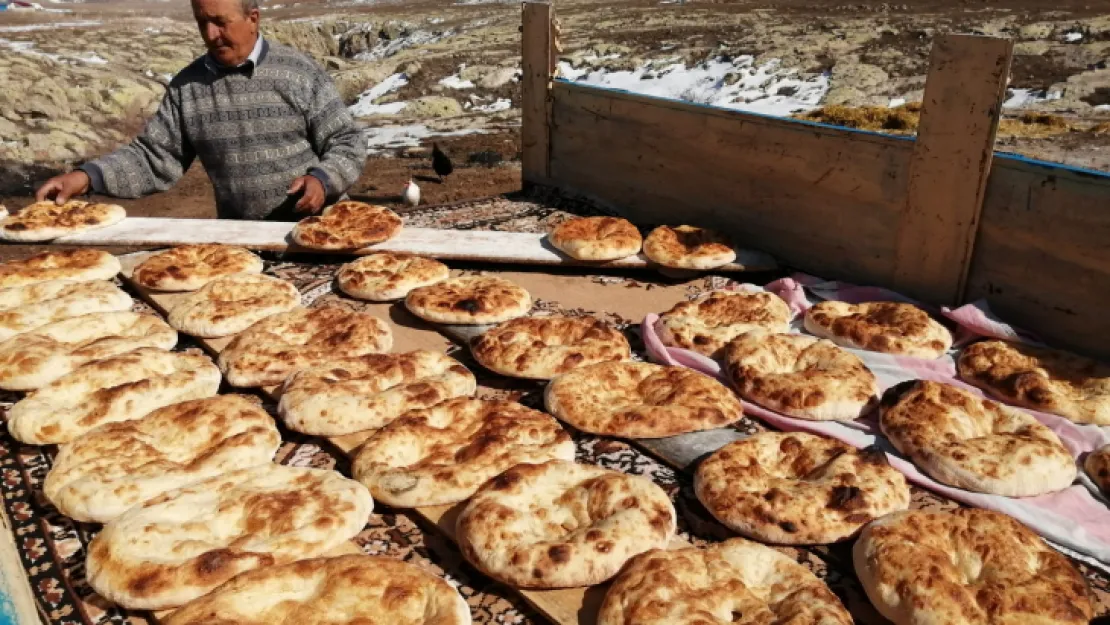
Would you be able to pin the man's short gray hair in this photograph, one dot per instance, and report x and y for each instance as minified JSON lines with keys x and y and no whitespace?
{"x":249,"y":5}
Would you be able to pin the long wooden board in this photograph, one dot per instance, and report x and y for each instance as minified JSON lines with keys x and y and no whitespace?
{"x":466,"y":245}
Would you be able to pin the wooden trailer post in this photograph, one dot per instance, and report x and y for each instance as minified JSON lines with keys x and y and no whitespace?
{"x":950,"y":164}
{"x":537,"y":57}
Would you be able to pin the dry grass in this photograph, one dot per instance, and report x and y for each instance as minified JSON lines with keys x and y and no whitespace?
{"x":903,"y":119}
{"x":1034,"y":125}
{"x":1101,"y":129}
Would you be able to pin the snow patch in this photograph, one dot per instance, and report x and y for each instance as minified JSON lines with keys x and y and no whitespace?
{"x":502,"y":104}
{"x":896,"y":102}
{"x":51,"y":26}
{"x":1073,"y":37}
{"x":1022,"y":98}
{"x":389,"y":48}
{"x":454,"y":82}
{"x":365,"y":106}
{"x":385,"y":138}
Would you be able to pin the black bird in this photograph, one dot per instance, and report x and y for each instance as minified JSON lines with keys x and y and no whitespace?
{"x":440,"y":163}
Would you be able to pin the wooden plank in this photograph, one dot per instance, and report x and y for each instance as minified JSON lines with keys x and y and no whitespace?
{"x":827,"y":199}
{"x":522,"y":248}
{"x":17,"y":601}
{"x":536,"y":47}
{"x":951,"y":161}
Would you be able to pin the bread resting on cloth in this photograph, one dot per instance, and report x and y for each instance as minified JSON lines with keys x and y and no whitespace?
{"x":972,"y":443}
{"x":800,"y":376}
{"x":469,"y":300}
{"x":119,"y":388}
{"x":189,"y":267}
{"x":184,"y":543}
{"x":38,"y":357}
{"x":81,"y":265}
{"x":339,"y":590}
{"x":688,"y":247}
{"x":384,"y":277}
{"x":562,"y":525}
{"x":347,"y":226}
{"x":231,"y":304}
{"x":541,"y":348}
{"x":24,"y":308}
{"x":708,"y":323}
{"x":797,"y":488}
{"x":368,"y":392}
{"x":441,"y":455}
{"x":641,"y":400}
{"x":736,"y":581}
{"x":1097,"y":465}
{"x":597,"y":238}
{"x":44,"y":221}
{"x":268,"y":351}
{"x":965,"y":567}
{"x":888,"y":327}
{"x":98,"y":476}
{"x":1043,"y":379}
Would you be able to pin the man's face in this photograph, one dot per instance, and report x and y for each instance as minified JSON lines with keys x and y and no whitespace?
{"x":228,"y":32}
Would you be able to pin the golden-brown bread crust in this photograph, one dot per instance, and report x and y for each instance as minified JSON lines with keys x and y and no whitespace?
{"x":541,"y":348}
{"x":968,"y":566}
{"x":385,"y":276}
{"x":79,"y":264}
{"x":189,"y":267}
{"x":268,"y":351}
{"x":729,"y":582}
{"x":562,"y":525}
{"x":441,"y":455}
{"x":972,"y":443}
{"x":888,"y":327}
{"x":687,"y":247}
{"x":800,"y":376}
{"x":330,"y":591}
{"x":25,"y":308}
{"x":43,"y":221}
{"x":1048,"y":380}
{"x":231,"y":304}
{"x":347,"y":226}
{"x":641,"y":400}
{"x":1097,"y":466}
{"x":797,"y":488}
{"x":597,"y":238}
{"x":469,"y":300}
{"x":707,"y":324}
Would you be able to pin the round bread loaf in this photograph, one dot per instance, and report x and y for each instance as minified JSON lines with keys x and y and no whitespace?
{"x":81,"y":264}
{"x":384,"y":277}
{"x":1097,"y":465}
{"x":596,"y":238}
{"x":45,"y":221}
{"x":541,"y":348}
{"x":231,"y":304}
{"x":189,"y":267}
{"x":708,"y":323}
{"x":889,"y":327}
{"x":469,"y":300}
{"x":347,"y":226}
{"x":687,"y":247}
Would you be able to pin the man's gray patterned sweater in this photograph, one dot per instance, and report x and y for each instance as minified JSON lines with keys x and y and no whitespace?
{"x":256,"y":128}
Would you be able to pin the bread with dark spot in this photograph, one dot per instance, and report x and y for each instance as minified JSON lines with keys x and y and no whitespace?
{"x":541,"y":348}
{"x":469,"y":300}
{"x":887,"y":327}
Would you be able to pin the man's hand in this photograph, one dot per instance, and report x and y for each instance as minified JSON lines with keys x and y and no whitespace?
{"x":61,"y":188}
{"x":314,"y":194}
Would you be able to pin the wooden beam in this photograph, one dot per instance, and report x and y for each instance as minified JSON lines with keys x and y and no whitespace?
{"x":950,"y":165}
{"x":536,"y":57}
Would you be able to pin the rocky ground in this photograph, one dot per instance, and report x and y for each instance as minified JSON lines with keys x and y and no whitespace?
{"x":76,"y":84}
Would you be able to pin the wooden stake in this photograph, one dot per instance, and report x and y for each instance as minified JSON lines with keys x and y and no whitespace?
{"x":536,"y":57}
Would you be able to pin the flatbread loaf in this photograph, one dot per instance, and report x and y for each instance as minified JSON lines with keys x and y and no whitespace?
{"x":368,"y":392}
{"x":801,"y":376}
{"x":469,"y":300}
{"x":385,"y":277}
{"x":442,"y":454}
{"x":708,"y":323}
{"x":737,"y":581}
{"x":268,"y":351}
{"x":80,"y":265}
{"x":344,"y":590}
{"x":541,"y":348}
{"x":1048,"y":380}
{"x":189,"y":267}
{"x":231,"y":304}
{"x":347,"y":226}
{"x":111,"y":468}
{"x":597,"y":238}
{"x":972,"y":443}
{"x":687,"y":247}
{"x":182,"y":544}
{"x":120,"y":388}
{"x":1097,"y":466}
{"x":562,"y":525}
{"x":797,"y":488}
{"x":968,"y":566}
{"x":24,"y":308}
{"x":38,"y":357}
{"x":641,"y":400}
{"x":44,"y":221}
{"x":888,"y":327}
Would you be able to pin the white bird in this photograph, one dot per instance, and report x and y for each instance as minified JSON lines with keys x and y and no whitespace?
{"x":411,"y":194}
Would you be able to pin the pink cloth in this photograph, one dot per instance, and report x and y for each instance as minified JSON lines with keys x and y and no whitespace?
{"x":1073,"y":517}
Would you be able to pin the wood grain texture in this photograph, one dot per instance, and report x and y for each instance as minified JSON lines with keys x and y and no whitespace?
{"x":536,"y":58}
{"x":523,"y":248}
{"x":829,"y":200}
{"x":951,"y":162}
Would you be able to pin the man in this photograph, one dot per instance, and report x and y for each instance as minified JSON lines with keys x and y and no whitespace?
{"x":265,"y":120}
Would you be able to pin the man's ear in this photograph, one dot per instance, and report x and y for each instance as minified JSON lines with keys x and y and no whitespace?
{"x":254,"y":16}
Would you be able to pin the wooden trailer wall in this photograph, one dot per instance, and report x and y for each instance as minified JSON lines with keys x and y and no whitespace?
{"x":941,"y":217}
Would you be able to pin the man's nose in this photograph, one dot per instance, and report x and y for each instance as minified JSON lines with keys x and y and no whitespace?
{"x":211,"y":32}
